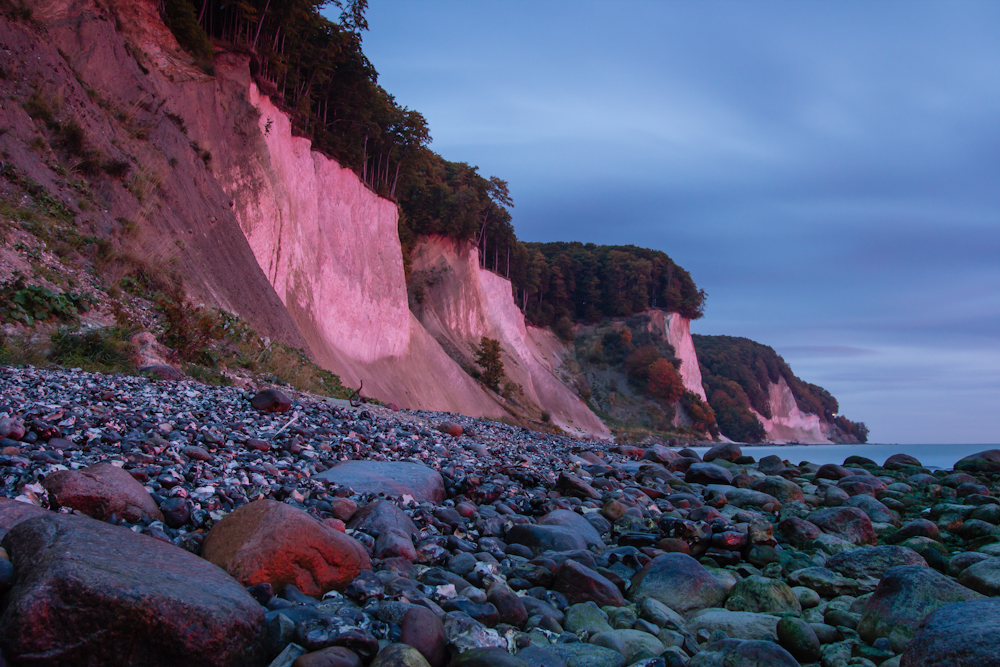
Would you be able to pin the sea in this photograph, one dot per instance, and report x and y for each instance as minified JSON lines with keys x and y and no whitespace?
{"x":935,"y":457}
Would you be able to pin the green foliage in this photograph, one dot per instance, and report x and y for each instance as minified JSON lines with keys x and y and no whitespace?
{"x":488,"y":359}
{"x":703,"y":418}
{"x":96,"y":350}
{"x":587,"y":282}
{"x":27,"y":304}
{"x":42,"y":200}
{"x":737,"y":373}
{"x":563,"y":328}
{"x":190,"y":330}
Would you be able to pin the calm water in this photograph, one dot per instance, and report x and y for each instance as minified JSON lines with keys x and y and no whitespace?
{"x":932,"y":456}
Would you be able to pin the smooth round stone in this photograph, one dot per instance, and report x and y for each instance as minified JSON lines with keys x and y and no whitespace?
{"x":399,"y":655}
{"x":743,"y":653}
{"x":587,"y":655}
{"x":965,"y":634}
{"x":982,"y":577}
{"x":761,"y":594}
{"x":176,"y":511}
{"x":808,"y":598}
{"x":335,"y":656}
{"x":271,"y":400}
{"x":796,"y":637}
{"x":423,"y":630}
{"x":904,"y":597}
{"x":487,"y":657}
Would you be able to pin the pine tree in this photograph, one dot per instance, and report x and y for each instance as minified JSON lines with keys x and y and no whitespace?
{"x":488,"y":359}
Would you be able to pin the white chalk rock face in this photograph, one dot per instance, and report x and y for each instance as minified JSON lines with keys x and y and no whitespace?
{"x":330,"y":248}
{"x":676,"y":330}
{"x":460,"y":303}
{"x":788,"y":423}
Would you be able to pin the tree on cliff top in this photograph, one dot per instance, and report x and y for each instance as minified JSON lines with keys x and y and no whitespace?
{"x":488,"y":359}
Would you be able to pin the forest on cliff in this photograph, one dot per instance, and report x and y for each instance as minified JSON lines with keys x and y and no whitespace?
{"x":316,"y":69}
{"x":737,"y":373}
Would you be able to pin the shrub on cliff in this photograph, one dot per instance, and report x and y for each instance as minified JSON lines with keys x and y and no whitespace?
{"x":664,"y":381}
{"x":182,"y":19}
{"x":488,"y":359}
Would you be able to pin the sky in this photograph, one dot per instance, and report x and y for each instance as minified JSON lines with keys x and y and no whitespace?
{"x":829,"y":172}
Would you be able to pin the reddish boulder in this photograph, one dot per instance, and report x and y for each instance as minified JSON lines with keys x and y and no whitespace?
{"x":271,"y":400}
{"x":91,"y":594}
{"x":100,"y":491}
{"x":13,"y":512}
{"x":451,"y":428}
{"x":11,"y":428}
{"x":729,"y":451}
{"x":581,"y":584}
{"x":897,"y":461}
{"x":268,"y":541}
{"x":848,"y":523}
{"x":423,"y":630}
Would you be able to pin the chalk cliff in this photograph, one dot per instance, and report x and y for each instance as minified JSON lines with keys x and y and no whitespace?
{"x":330,"y":248}
{"x":676,"y":330}
{"x":788,"y":423}
{"x":459,"y":303}
{"x":219,"y":189}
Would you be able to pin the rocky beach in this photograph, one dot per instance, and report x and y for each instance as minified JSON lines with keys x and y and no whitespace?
{"x":170,"y":522}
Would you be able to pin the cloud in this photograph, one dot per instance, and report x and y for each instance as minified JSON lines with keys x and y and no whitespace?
{"x":826,"y":171}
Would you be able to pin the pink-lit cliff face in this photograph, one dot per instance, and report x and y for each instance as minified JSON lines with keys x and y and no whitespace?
{"x":329,"y":247}
{"x":462,"y":303}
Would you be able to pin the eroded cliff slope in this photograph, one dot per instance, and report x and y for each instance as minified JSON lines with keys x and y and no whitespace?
{"x":459,"y":303}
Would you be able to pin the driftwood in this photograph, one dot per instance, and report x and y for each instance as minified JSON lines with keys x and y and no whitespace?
{"x":356,"y":398}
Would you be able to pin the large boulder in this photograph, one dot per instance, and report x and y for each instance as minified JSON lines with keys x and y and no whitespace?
{"x":574,"y":522}
{"x":873,"y":561}
{"x":899,"y":461}
{"x":392,"y":478}
{"x":582,"y":584}
{"x":102,"y":490}
{"x":736,"y":624}
{"x":783,"y":489}
{"x":728,"y":451}
{"x":559,"y":530}
{"x":89,"y":593}
{"x":847,"y":523}
{"x":707,"y":473}
{"x":271,"y":542}
{"x":763,"y":594}
{"x":987,"y":461}
{"x":678,"y":581}
{"x":962,"y":634}
{"x":904,"y":597}
{"x":13,"y":512}
{"x":982,"y":577}
{"x":743,"y":653}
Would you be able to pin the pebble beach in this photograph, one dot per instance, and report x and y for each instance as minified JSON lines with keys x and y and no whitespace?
{"x":172,"y":522}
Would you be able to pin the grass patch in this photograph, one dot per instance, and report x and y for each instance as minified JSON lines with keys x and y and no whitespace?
{"x":95,"y":350}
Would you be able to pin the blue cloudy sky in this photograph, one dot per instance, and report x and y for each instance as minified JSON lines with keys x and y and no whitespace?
{"x":828,"y":172}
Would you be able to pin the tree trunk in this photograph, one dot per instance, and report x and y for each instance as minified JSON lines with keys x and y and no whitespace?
{"x":260,"y":23}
